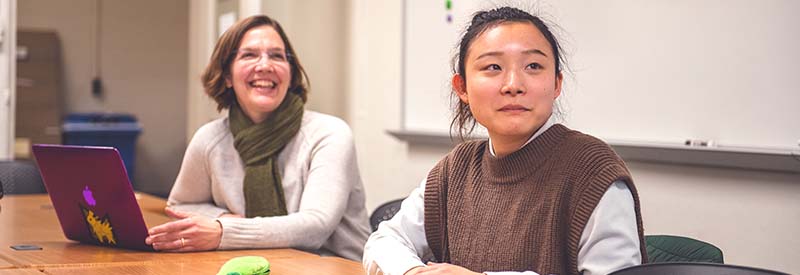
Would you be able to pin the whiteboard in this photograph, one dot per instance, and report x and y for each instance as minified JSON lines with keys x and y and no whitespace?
{"x":727,"y":71}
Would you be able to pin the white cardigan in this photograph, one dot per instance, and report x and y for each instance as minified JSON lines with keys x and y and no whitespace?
{"x":321,"y":183}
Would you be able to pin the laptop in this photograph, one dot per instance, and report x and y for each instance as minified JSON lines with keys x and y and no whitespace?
{"x":92,"y":195}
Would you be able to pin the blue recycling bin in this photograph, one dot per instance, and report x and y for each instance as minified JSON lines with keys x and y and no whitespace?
{"x":104,"y":129}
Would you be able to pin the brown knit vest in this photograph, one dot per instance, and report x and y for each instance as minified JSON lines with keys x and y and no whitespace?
{"x":525,"y":211}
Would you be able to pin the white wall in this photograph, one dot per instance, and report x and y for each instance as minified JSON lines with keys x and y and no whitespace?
{"x":8,"y":12}
{"x":375,"y":86}
{"x":202,"y":38}
{"x":752,"y":216}
{"x":144,"y":57}
{"x":319,"y":34}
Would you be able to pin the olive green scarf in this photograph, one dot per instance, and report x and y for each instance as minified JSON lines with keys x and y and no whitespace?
{"x":258,"y":146}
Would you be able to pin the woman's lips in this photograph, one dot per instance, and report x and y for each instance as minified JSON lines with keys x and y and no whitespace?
{"x":263,"y":83}
{"x":514,"y":108}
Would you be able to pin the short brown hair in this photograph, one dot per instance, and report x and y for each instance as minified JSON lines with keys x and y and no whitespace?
{"x":219,"y":66}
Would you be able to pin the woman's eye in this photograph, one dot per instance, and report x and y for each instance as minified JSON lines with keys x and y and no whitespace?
{"x":247,"y":55}
{"x":277,"y":56}
{"x":535,"y":66}
{"x":492,"y":67}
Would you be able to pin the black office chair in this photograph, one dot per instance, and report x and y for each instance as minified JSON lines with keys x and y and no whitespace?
{"x":20,"y":177}
{"x":384,"y":212}
{"x":667,"y":248}
{"x":693,"y":269}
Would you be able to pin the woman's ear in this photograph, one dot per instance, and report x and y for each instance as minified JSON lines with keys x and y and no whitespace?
{"x":559,"y":79}
{"x":228,"y":83}
{"x":459,"y":87}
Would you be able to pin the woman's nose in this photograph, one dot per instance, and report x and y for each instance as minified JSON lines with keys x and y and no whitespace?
{"x":263,"y":64}
{"x":512,"y":84}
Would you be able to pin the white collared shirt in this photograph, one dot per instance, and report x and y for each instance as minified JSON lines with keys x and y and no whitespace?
{"x":547,"y":124}
{"x":609,"y":242}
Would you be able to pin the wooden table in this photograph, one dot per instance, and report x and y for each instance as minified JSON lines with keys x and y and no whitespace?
{"x":315,"y":266}
{"x":20,"y":272}
{"x":5,"y":264}
{"x":30,"y":219}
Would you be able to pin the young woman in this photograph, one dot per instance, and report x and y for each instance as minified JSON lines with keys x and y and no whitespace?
{"x":271,"y":174}
{"x":536,"y":197}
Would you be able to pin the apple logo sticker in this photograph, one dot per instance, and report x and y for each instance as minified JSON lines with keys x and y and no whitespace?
{"x":87,"y":195}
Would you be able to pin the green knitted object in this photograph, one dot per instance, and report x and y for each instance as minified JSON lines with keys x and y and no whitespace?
{"x":667,"y":248}
{"x":247,"y":265}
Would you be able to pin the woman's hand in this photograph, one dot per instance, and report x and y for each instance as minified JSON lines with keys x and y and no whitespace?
{"x":414,"y":271}
{"x":437,"y":268}
{"x":188,"y":233}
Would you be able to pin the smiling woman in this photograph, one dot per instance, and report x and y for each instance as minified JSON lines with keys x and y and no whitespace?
{"x":271,"y":174}
{"x":260,"y":73}
{"x":240,"y":52}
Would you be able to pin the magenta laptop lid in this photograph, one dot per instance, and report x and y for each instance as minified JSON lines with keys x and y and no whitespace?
{"x":91,"y":194}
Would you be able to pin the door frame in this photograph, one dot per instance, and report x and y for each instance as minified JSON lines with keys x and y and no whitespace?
{"x":8,"y":76}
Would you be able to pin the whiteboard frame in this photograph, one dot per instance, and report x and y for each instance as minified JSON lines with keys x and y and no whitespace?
{"x":784,"y":160}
